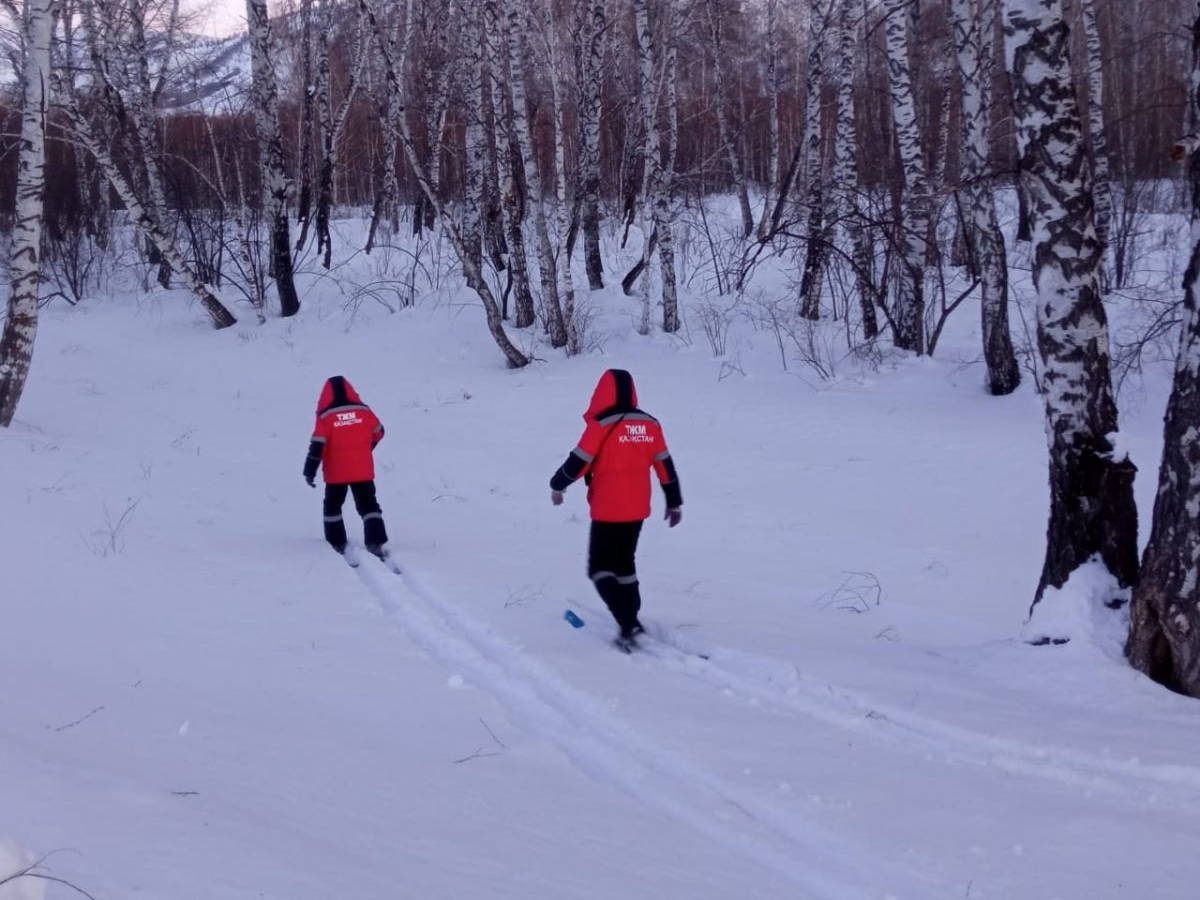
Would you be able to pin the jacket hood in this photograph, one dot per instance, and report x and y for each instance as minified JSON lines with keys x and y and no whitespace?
{"x":337,"y":392}
{"x":615,"y":393}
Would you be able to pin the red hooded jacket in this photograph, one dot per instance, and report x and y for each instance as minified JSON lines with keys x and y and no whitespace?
{"x":345,"y":434}
{"x":619,"y":446}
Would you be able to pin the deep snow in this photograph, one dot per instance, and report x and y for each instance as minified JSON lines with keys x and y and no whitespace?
{"x":202,"y":701}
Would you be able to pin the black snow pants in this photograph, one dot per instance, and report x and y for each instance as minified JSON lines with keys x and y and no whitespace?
{"x":612,"y":547}
{"x":374,"y":533}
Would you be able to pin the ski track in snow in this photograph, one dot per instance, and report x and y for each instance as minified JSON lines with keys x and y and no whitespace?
{"x":779,"y":686}
{"x":614,"y":754}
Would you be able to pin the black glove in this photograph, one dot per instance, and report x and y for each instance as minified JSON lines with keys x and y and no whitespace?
{"x":674,"y":516}
{"x":312,"y":462}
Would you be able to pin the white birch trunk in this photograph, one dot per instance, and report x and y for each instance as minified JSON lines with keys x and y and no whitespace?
{"x":141,"y":98}
{"x":1096,"y":114}
{"x":437,"y":87}
{"x":333,"y":124}
{"x":322,"y":105}
{"x":942,"y":74}
{"x":651,"y":150}
{"x":773,"y":137}
{"x":1092,"y":510}
{"x":93,"y":191}
{"x":817,"y":234}
{"x":122,"y":98}
{"x":1164,"y":638}
{"x":845,"y":176}
{"x":20,"y":327}
{"x":908,"y":316}
{"x":563,"y":204}
{"x":664,"y":187}
{"x":476,"y":152}
{"x":144,"y":218}
{"x":270,"y":154}
{"x":592,"y":30}
{"x":515,"y":33}
{"x":503,"y":143}
{"x":306,"y":165}
{"x":386,"y":203}
{"x":980,"y":222}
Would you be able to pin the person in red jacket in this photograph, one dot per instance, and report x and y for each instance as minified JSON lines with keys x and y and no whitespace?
{"x":619,"y":447}
{"x":343,"y":444}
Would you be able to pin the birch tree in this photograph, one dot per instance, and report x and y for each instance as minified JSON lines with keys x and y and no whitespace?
{"x":715,"y":14}
{"x":554,"y":71}
{"x":333,"y":122}
{"x":473,"y":274}
{"x":144,"y":132}
{"x":912,"y":229}
{"x":817,"y":233}
{"x":25,"y":254}
{"x":308,"y":99}
{"x":845,"y":174}
{"x":387,"y":191}
{"x":664,"y":198}
{"x":144,"y":218}
{"x":771,"y":83}
{"x":93,"y":190}
{"x":972,"y":19}
{"x":589,"y":47}
{"x":1164,"y":640}
{"x":657,"y":211}
{"x":504,"y":149}
{"x":121,"y":91}
{"x":475,"y":157}
{"x":1092,"y":512}
{"x":515,"y":32}
{"x":1096,"y":132}
{"x":437,"y":38}
{"x":111,"y":131}
{"x":270,"y":154}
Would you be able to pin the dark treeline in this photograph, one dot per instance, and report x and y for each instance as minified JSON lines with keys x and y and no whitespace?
{"x":1145,"y":73}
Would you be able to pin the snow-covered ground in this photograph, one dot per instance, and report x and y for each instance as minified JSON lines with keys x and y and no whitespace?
{"x":200,"y":700}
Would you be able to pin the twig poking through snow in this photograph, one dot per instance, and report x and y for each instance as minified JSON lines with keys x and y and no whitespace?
{"x":72,"y":725}
{"x":31,"y":871}
{"x":480,"y":752}
{"x":859,"y":592}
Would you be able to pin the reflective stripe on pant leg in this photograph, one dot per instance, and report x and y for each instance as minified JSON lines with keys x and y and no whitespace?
{"x":610,"y":566}
{"x":335,"y":528}
{"x":374,"y":530}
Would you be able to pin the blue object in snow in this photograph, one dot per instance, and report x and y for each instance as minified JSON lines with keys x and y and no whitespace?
{"x":575,"y":621}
